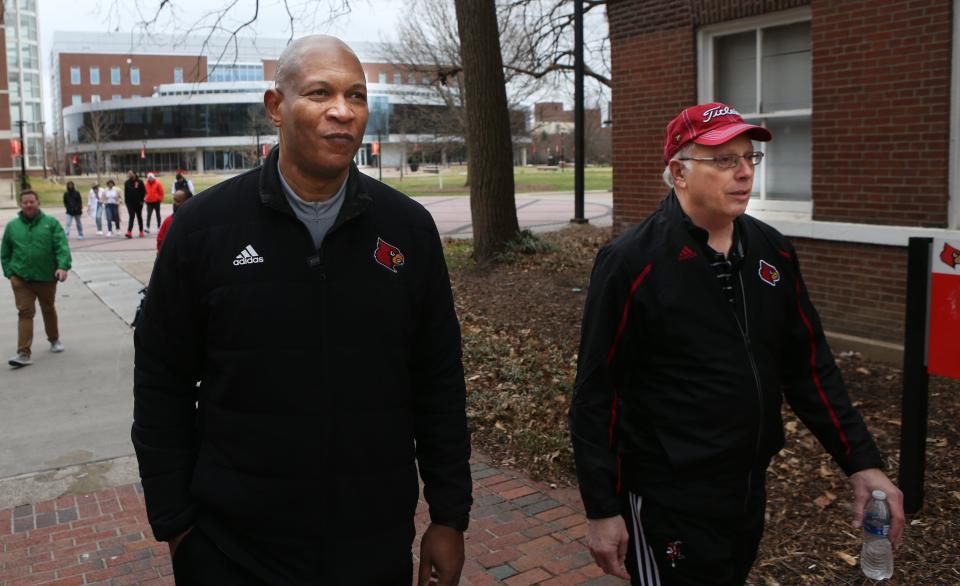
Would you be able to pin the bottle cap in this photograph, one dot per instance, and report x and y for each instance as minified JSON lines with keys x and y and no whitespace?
{"x":879,"y":495}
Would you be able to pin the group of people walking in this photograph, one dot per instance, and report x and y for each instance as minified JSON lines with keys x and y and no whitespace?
{"x":103,"y":203}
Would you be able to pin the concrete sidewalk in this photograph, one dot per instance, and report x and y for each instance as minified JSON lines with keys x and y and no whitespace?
{"x":70,"y":508}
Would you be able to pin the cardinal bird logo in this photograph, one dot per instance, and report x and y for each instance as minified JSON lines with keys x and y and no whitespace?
{"x":388,"y":255}
{"x":950,"y":256}
{"x":769,"y":273}
{"x":673,"y":553}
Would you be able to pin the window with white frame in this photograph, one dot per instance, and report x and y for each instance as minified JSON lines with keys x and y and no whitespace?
{"x":95,"y":99}
{"x":114,"y":76}
{"x":116,"y":97}
{"x":75,"y":76}
{"x":76,"y":100}
{"x":94,"y":76}
{"x":178,"y":75}
{"x":397,"y":78}
{"x":382,"y":77}
{"x":135,"y":76}
{"x":762,"y":68}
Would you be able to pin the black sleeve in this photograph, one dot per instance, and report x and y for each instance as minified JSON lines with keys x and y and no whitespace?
{"x":169,"y":346}
{"x":606,"y":341}
{"x":443,"y":443}
{"x":814,"y":386}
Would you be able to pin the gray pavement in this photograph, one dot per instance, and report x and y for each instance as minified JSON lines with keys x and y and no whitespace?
{"x":65,"y":420}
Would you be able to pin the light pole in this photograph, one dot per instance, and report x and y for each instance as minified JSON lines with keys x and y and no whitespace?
{"x":579,"y":142}
{"x":43,"y":148}
{"x":24,"y":182}
{"x":379,"y":155}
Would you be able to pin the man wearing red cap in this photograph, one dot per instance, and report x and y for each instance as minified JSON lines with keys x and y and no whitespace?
{"x":696,"y":325}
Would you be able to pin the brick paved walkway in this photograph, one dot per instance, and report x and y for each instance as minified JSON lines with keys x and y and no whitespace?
{"x":522,"y":533}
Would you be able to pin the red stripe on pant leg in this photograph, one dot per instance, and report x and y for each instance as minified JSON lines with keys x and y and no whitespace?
{"x":816,"y":377}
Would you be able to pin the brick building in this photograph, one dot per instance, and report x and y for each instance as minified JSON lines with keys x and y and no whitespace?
{"x":862,"y":100}
{"x":553,"y":135}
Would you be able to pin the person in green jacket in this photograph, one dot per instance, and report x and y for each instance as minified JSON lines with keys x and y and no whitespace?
{"x":35,"y":256}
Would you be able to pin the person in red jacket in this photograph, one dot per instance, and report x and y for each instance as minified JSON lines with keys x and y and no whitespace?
{"x":153,"y":199}
{"x":179,"y":196}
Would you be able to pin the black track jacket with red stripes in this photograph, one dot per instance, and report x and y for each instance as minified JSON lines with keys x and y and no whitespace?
{"x":673,"y":399}
{"x":329,"y":378}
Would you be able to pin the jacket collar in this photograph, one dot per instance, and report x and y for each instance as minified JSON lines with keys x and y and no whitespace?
{"x":355,"y":199}
{"x":671,"y":209}
{"x":35,"y":218}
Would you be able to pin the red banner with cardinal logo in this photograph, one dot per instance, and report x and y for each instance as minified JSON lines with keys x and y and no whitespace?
{"x":943,"y":350}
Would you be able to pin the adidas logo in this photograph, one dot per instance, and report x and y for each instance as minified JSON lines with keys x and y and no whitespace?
{"x":686,"y":253}
{"x":247,"y":256}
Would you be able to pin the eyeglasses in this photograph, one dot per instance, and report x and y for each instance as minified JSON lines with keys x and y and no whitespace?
{"x":729,"y":161}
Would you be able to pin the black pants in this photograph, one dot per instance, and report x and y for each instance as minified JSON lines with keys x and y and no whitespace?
{"x":135,"y":210}
{"x":672,"y":548}
{"x":199,"y":562}
{"x":153,"y":206}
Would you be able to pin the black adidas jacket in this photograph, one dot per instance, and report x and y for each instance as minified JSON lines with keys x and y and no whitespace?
{"x":673,"y":400}
{"x":327,"y":378}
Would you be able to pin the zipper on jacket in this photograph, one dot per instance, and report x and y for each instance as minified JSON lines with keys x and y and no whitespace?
{"x":745,"y":332}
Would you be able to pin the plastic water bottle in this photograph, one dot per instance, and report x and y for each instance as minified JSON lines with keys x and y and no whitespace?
{"x":876,"y":557}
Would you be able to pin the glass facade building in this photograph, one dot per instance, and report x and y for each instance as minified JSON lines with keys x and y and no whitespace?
{"x":23,"y":78}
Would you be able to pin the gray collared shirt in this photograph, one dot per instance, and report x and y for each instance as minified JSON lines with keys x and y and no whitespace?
{"x":317,"y":216}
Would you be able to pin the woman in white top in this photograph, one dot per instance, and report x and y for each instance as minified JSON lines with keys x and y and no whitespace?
{"x":94,"y":207}
{"x":112,"y":200}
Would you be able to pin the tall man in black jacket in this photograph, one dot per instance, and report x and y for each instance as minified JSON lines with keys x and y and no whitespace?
{"x":298,"y":362}
{"x":696,"y":325}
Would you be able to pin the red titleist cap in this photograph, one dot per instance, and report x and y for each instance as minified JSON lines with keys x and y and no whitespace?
{"x":708,"y":124}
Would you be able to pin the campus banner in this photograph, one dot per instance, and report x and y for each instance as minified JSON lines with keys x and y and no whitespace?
{"x":943,"y":349}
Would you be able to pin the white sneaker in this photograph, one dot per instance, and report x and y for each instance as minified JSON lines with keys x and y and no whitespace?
{"x":147,"y":231}
{"x":20,"y":360}
{"x":109,"y":234}
{"x":80,"y":237}
{"x":100,"y":232}
{"x":56,"y":346}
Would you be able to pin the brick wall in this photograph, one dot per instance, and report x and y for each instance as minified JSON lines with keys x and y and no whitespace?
{"x":154,"y":70}
{"x":654,"y":77}
{"x":881,"y":103}
{"x":859,"y":289}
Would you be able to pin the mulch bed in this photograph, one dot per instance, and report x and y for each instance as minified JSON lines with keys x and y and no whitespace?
{"x":521,"y":325}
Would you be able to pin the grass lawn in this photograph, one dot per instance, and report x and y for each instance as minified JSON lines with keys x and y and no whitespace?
{"x":51,"y":194}
{"x":528,"y":180}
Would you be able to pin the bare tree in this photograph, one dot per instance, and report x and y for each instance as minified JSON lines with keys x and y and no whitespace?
{"x":258,"y":129}
{"x":221,"y":26}
{"x":492,"y":204}
{"x":99,"y":128}
{"x":545,"y":45}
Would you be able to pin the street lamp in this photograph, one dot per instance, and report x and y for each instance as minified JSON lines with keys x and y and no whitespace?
{"x":379,"y":155}
{"x":43,"y":148}
{"x":23,"y":159}
{"x":579,"y":140}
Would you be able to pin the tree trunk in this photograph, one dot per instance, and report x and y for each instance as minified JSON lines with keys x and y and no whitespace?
{"x":490,"y":152}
